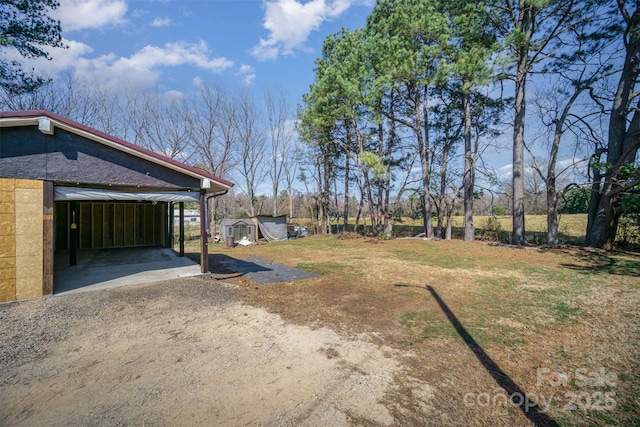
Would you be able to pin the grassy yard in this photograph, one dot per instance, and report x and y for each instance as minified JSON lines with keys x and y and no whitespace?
{"x":476,"y":321}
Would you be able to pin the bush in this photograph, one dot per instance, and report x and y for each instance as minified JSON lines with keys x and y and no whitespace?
{"x":492,"y":229}
{"x":385,"y":235}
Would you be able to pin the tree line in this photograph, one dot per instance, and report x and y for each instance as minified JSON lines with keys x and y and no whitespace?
{"x":241,"y":136}
{"x":406,"y":110}
{"x":423,"y":82}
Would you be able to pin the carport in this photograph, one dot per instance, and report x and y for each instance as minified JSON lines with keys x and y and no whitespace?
{"x":69,"y":191}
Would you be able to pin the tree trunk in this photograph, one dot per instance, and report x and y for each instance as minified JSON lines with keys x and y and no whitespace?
{"x":346,"y":179}
{"x":518,"y":236}
{"x":275,"y":199}
{"x":380,"y":208}
{"x":372,"y":215}
{"x":290,"y":193}
{"x":388,"y":159}
{"x":360,"y":207}
{"x":449,"y":225}
{"x":552,"y":214}
{"x":442,"y":200}
{"x":324,"y":196}
{"x":422,"y":134}
{"x":469,"y":166}
{"x":426,"y":184}
{"x":603,"y":218}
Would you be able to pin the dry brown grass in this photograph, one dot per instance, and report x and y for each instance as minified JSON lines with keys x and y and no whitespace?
{"x":520,"y":309}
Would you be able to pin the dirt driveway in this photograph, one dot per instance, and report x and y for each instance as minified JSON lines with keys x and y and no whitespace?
{"x":182,"y":352}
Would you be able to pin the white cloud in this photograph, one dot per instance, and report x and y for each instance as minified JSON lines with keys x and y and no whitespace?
{"x":83,"y":14}
{"x":172,"y":54}
{"x":62,"y":59}
{"x":162,"y":22}
{"x":290,"y":22}
{"x":505,"y":172}
{"x":173,"y":94}
{"x":247,"y":73}
{"x":143,"y":68}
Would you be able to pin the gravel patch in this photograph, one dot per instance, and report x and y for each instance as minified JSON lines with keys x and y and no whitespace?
{"x":182,"y":352}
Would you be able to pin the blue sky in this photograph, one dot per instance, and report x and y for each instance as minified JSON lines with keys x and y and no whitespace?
{"x":169,"y":44}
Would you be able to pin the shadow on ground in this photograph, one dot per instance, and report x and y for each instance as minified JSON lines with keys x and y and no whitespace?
{"x":589,"y":260}
{"x":258,"y":269}
{"x":514,"y":393}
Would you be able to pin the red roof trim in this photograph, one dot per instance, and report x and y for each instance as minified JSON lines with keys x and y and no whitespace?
{"x":136,"y":148}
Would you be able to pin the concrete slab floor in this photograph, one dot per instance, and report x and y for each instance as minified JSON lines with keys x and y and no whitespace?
{"x":105,"y":268}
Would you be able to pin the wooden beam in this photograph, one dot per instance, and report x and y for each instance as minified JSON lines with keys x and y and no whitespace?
{"x":181,"y":229}
{"x":73,"y":234}
{"x":47,"y":241}
{"x":204,"y":238}
{"x":170,"y":232}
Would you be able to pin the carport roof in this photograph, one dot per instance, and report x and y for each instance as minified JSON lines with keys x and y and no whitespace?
{"x":209,"y":182}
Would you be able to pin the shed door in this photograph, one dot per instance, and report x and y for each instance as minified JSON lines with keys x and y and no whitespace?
{"x":240,"y":231}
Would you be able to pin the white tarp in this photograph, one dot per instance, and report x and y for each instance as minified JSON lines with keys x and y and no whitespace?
{"x":78,"y":193}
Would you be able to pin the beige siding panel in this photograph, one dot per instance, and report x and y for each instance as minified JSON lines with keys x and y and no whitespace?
{"x":29,"y":244}
{"x":7,"y":256}
{"x":7,"y":263}
{"x":7,"y":289}
{"x":6,"y":207}
{"x":29,"y":238}
{"x":27,"y":224}
{"x":7,"y":184}
{"x":7,"y":246}
{"x":26,"y":265}
{"x":8,"y":273}
{"x":7,"y":224}
{"x":29,"y":287}
{"x":7,"y":240}
{"x":29,"y":184}
{"x":28,"y":201}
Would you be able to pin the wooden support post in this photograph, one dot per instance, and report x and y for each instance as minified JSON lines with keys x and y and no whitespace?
{"x":204,"y":238}
{"x":170,"y":222}
{"x":74,"y":219}
{"x":47,"y":241}
{"x":181,"y":253}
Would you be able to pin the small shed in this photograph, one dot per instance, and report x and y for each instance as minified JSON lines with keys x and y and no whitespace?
{"x":269,"y":228}
{"x":238,"y":228}
{"x":272,"y":227}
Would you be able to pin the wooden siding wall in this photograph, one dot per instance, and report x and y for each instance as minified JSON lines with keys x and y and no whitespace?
{"x":21,"y":239}
{"x":111,"y":225}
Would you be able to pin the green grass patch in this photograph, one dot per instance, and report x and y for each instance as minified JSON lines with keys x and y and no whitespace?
{"x":323,"y":268}
{"x":564,"y":312}
{"x":430,"y":325}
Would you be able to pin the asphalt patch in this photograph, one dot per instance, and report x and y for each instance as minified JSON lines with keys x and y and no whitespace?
{"x":263,"y":271}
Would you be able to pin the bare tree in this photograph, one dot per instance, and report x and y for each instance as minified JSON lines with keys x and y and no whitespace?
{"x":291,"y":166}
{"x":249,"y":128}
{"x":623,"y":136}
{"x":167,"y":132}
{"x":281,"y":132}
{"x":533,"y":31}
{"x":212,"y":133}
